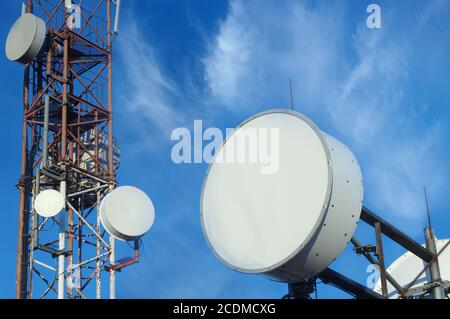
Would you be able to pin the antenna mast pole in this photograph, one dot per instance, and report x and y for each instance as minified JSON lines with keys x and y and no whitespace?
{"x":430,"y":241}
{"x":24,"y":193}
{"x":291,"y":94}
{"x":112,"y":259}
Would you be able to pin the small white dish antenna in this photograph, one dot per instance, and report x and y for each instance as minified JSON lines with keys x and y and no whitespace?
{"x":406,"y":268}
{"x":49,"y":203}
{"x":127,"y":213}
{"x":292,"y":224}
{"x":26,"y":38}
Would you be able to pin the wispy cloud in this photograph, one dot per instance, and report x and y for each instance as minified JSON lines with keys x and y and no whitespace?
{"x":358,"y":87}
{"x":434,"y":7}
{"x":147,"y":96}
{"x":354,"y":82}
{"x":261,"y":45}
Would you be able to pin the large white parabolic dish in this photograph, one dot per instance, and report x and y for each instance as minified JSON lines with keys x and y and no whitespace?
{"x":289,"y":225}
{"x":26,"y":38}
{"x":406,"y":268}
{"x":127,"y":213}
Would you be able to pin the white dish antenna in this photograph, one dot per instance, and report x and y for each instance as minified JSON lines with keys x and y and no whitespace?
{"x":290,"y":225}
{"x":49,"y":203}
{"x":127,"y":213}
{"x":406,"y":268}
{"x":26,"y":38}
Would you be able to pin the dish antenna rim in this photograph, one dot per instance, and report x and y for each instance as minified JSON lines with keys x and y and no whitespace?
{"x":322,"y":214}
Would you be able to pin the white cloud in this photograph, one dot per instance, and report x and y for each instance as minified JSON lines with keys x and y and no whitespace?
{"x":353,"y":81}
{"x":355,"y":84}
{"x":434,"y":7}
{"x":260,"y":46}
{"x":147,"y":96}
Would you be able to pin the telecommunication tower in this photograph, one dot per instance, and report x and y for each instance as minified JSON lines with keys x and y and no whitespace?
{"x":67,"y":146}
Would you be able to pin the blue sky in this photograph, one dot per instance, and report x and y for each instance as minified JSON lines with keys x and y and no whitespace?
{"x":382,"y":92}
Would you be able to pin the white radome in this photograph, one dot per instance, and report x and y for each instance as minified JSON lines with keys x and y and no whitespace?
{"x":290,"y":225}
{"x":406,"y":268}
{"x":49,"y":203}
{"x":127,"y":213}
{"x":26,"y":38}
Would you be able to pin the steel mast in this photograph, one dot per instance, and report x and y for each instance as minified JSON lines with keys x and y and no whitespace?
{"x":68,"y":145}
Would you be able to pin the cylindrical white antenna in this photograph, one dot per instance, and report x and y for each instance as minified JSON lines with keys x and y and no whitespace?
{"x":24,"y":8}
{"x":117,"y":18}
{"x":68,"y":4}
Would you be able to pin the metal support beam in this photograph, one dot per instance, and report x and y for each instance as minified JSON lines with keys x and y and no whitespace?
{"x":24,"y":194}
{"x":435,"y":273}
{"x":126,"y":261}
{"x":35,"y":219}
{"x":380,"y":255}
{"x":112,"y":273}
{"x":396,"y":235}
{"x":420,"y":291}
{"x":62,"y":245}
{"x":351,"y":287}
{"x":45,"y":136}
{"x":372,"y":260}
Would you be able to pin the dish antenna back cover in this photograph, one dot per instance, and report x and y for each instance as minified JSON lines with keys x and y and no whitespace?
{"x":405,"y":269}
{"x":127,"y":213}
{"x":26,"y":38}
{"x":290,"y":225}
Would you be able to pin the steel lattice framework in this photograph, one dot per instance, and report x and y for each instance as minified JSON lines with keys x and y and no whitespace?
{"x":68,"y":86}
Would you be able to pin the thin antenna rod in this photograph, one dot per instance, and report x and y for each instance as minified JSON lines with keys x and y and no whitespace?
{"x":291,"y":95}
{"x":117,"y":18}
{"x":428,"y":208}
